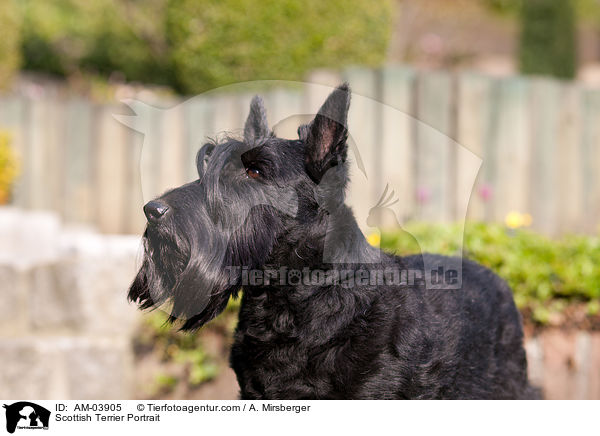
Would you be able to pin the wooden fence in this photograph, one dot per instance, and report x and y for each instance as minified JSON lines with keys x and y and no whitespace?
{"x":450,"y":146}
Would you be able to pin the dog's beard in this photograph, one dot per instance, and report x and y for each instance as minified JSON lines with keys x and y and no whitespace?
{"x":183,"y":279}
{"x":163,"y":262}
{"x":195,"y":266}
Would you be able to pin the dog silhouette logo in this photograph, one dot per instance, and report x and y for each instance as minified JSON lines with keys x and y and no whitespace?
{"x":26,"y":415}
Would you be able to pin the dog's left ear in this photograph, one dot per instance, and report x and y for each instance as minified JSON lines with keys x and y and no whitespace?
{"x":256,"y":126}
{"x":327,"y":134}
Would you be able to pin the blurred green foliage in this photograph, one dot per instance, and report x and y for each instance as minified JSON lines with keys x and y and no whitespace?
{"x":545,"y":274}
{"x":587,"y":11}
{"x":216,"y":42}
{"x":63,"y":37}
{"x":548,"y":38}
{"x":183,"y":356}
{"x":193,"y":365}
{"x":9,"y":42}
{"x":196,"y":45}
{"x":503,"y":7}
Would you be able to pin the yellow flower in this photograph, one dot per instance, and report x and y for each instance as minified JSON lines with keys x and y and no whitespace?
{"x":8,"y":167}
{"x":514,"y":220}
{"x":374,"y":239}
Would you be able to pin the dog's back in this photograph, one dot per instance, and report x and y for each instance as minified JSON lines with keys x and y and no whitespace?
{"x":455,"y":343}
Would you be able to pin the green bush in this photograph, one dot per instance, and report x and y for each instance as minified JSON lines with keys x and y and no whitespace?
{"x":588,"y":11}
{"x":9,"y":42}
{"x":503,"y":7}
{"x":542,"y":272}
{"x":548,"y":38}
{"x":63,"y":37}
{"x":217,"y":42}
{"x":195,"y":45}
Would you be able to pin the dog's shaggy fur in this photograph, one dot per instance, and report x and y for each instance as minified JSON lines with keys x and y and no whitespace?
{"x":269,"y":204}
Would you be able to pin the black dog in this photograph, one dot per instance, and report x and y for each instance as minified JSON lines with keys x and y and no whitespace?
{"x":266,"y":210}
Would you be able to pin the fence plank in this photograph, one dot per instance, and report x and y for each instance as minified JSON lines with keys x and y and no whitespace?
{"x":77,"y":205}
{"x":473,"y":124}
{"x":242,"y":105}
{"x":55,"y":154}
{"x":545,"y":114}
{"x":569,"y":194}
{"x":364,"y":142}
{"x":150,"y":122}
{"x":285,"y":111}
{"x":397,"y":151}
{"x":43,"y":178}
{"x":172,"y":148}
{"x":198,"y":117}
{"x":135,"y":220}
{"x":110,"y":181}
{"x":511,"y":151}
{"x":226,"y":116}
{"x":590,"y":150}
{"x":317,"y":87}
{"x":434,"y":173}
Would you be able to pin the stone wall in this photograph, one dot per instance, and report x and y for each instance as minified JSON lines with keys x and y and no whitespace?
{"x":65,"y":323}
{"x":565,"y":364}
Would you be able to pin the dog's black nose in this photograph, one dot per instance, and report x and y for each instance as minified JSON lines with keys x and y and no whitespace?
{"x":155,"y":211}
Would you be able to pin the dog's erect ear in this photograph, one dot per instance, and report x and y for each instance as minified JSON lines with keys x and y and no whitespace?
{"x":327,"y":134}
{"x":256,"y":126}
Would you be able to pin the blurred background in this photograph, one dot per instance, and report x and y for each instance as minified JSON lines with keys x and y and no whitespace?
{"x":482,"y":115}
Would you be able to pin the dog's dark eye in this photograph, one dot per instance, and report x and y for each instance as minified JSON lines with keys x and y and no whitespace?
{"x":253,"y":173}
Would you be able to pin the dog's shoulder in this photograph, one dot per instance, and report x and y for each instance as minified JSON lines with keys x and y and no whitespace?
{"x":481,"y":297}
{"x":472,"y":275}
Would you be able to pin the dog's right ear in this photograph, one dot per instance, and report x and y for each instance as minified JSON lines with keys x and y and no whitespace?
{"x":326,"y":135}
{"x":256,"y":126}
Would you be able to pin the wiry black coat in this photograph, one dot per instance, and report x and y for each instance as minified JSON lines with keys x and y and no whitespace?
{"x":382,"y":343}
{"x":267,"y":203}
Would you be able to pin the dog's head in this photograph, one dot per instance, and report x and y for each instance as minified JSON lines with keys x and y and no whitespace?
{"x":250,"y":194}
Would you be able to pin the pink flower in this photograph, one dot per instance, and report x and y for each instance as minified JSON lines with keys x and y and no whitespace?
{"x":423,"y":194}
{"x":485,"y":192}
